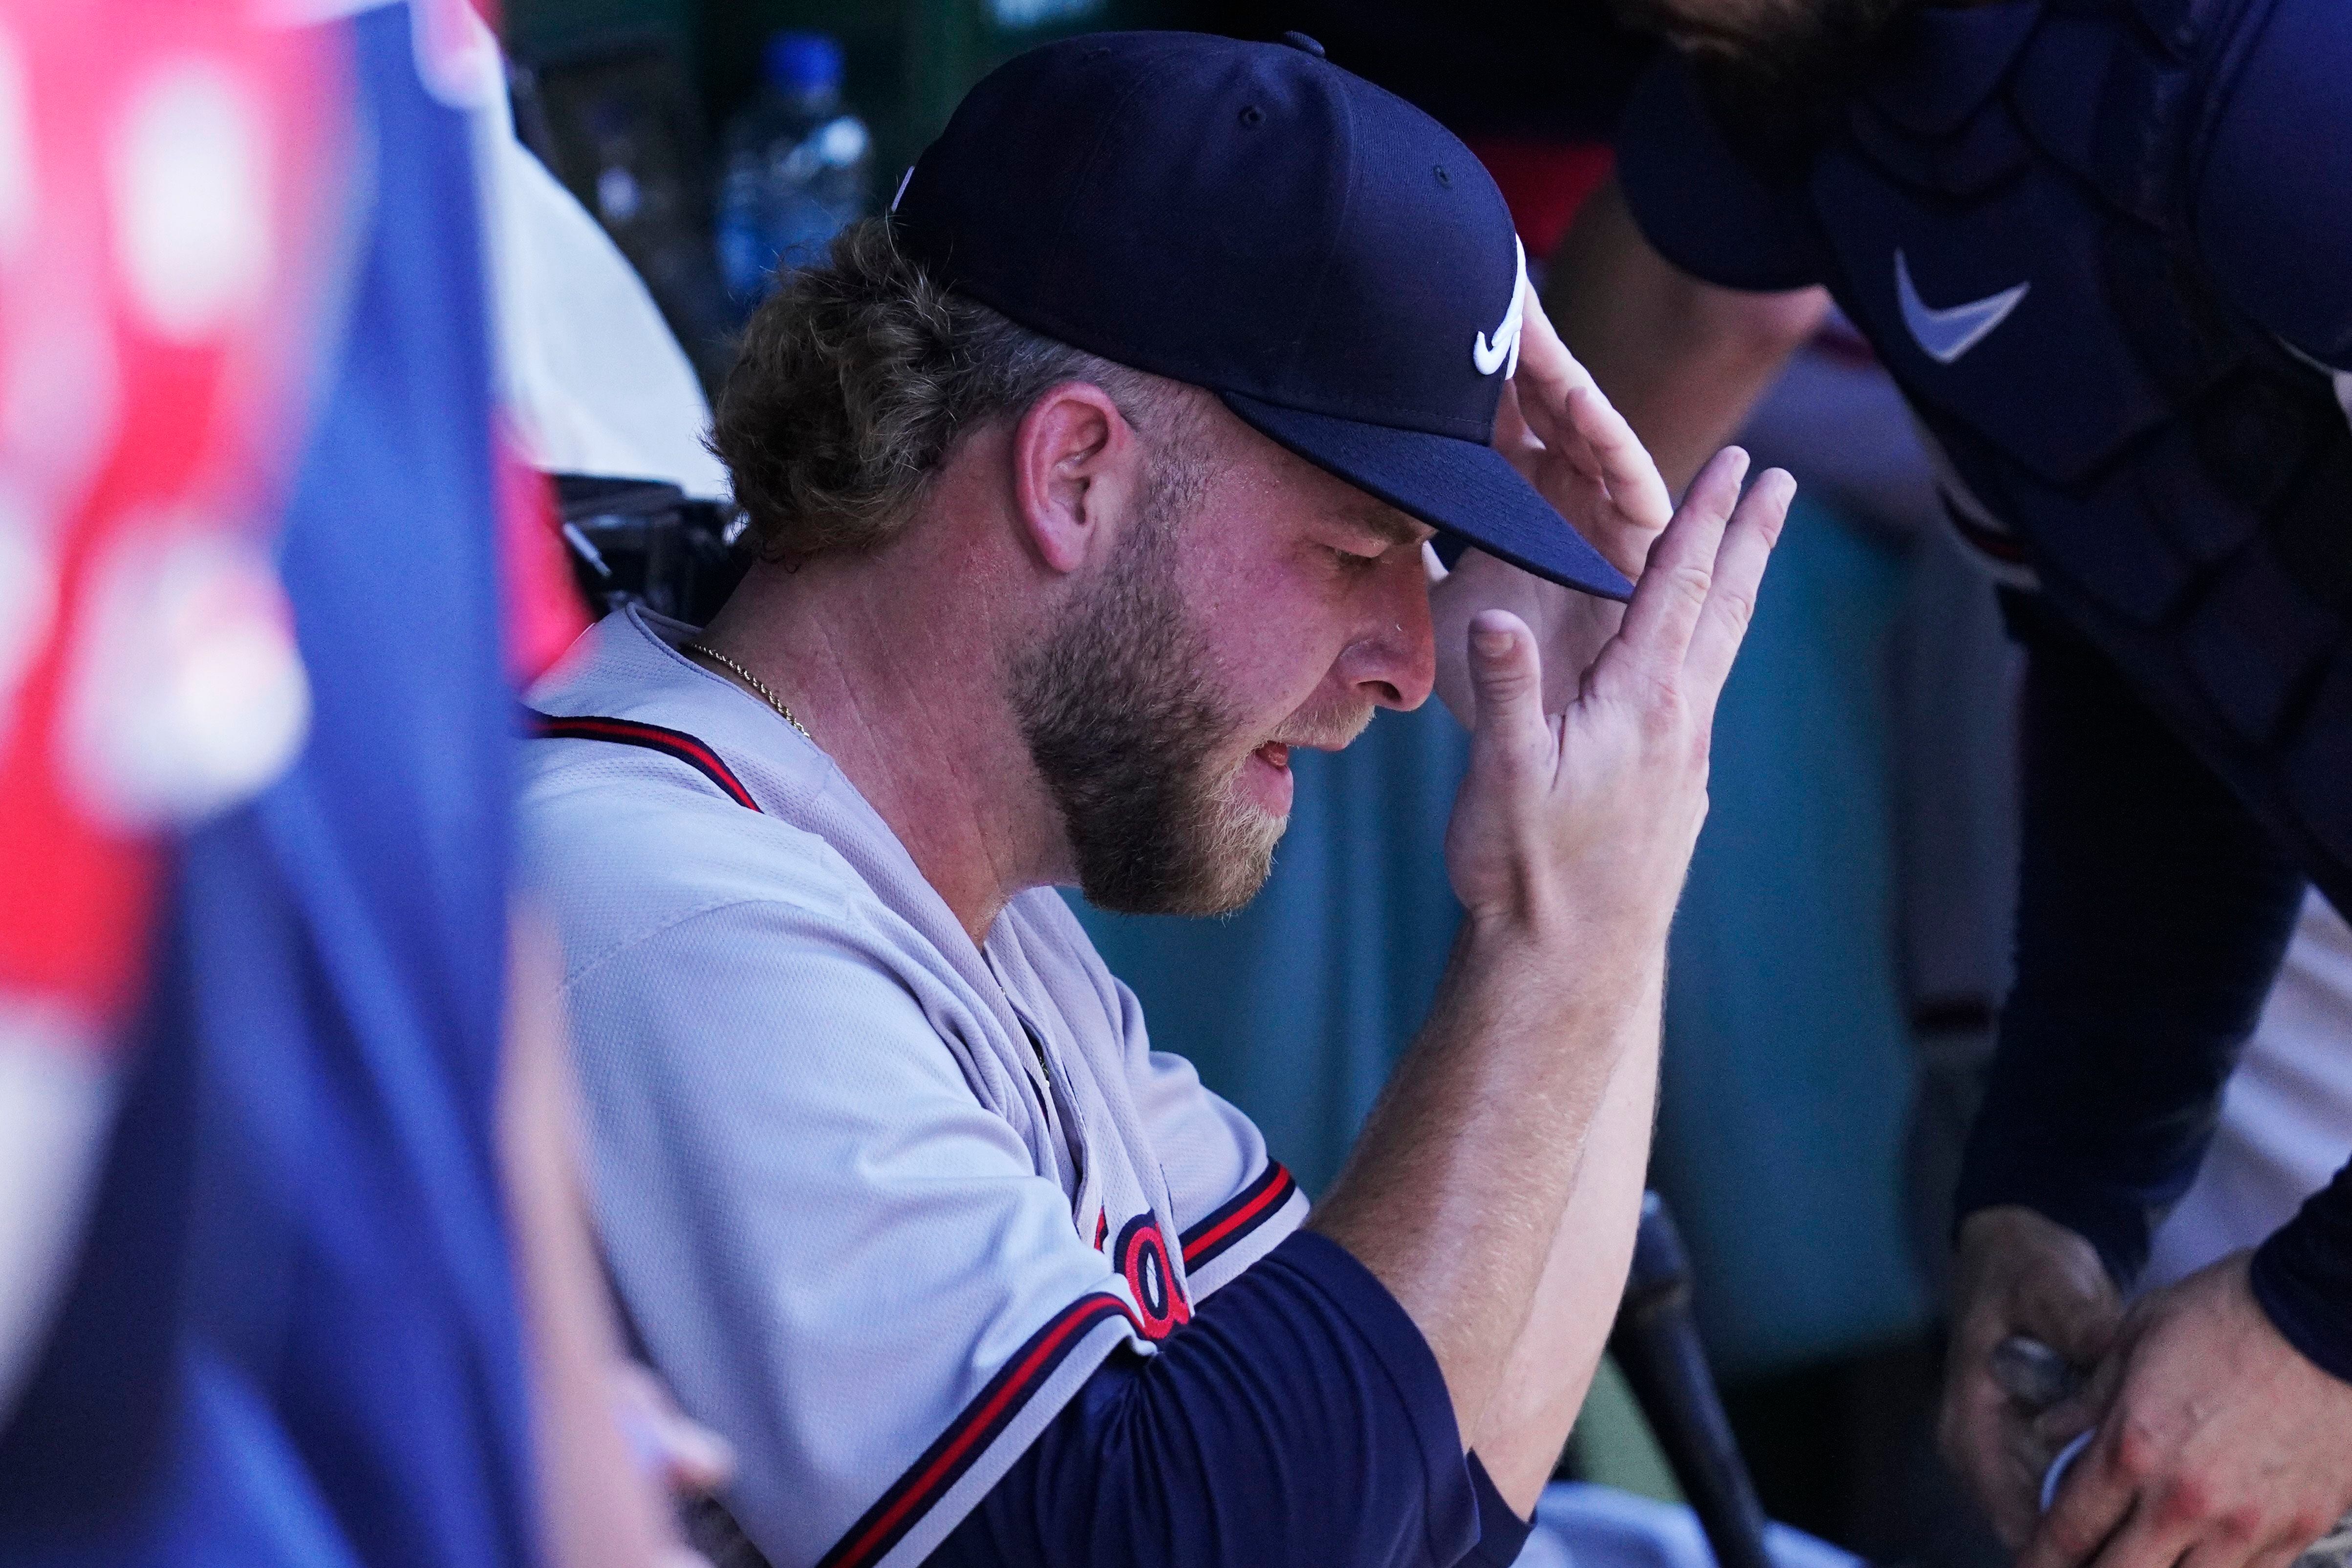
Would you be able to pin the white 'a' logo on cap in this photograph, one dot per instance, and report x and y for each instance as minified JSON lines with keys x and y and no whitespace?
{"x":1502,"y":354}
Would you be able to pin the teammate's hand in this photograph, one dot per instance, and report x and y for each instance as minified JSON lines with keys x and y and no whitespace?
{"x":2219,"y":1444}
{"x":683,"y":1458}
{"x":687,"y":1458}
{"x":2017,"y":1273}
{"x":1584,"y":820}
{"x":1579,"y":453}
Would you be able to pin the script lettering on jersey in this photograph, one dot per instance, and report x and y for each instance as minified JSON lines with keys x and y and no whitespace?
{"x":1142,"y":1255}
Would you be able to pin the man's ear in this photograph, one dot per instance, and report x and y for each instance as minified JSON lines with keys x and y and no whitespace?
{"x":1078,"y":468}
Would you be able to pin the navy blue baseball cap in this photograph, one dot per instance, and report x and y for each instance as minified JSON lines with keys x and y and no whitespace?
{"x":1329,"y":260}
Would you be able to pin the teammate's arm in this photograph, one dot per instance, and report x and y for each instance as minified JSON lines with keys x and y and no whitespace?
{"x":2271,"y":209}
{"x":2153,"y":910}
{"x":1682,"y":359}
{"x":598,"y":1507}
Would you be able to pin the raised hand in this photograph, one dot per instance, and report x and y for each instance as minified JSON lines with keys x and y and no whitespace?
{"x":1571,"y":836}
{"x":1579,"y":453}
{"x":1585,"y":818}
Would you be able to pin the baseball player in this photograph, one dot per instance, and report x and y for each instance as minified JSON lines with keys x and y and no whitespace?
{"x":1090,"y":484}
{"x":2102,"y":247}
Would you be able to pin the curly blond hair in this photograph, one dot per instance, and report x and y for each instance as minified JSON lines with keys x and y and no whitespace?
{"x":853,"y":382}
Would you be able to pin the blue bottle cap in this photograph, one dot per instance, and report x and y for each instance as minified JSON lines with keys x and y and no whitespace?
{"x":803,"y":62}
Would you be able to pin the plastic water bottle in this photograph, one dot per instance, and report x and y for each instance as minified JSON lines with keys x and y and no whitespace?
{"x":797,"y":169}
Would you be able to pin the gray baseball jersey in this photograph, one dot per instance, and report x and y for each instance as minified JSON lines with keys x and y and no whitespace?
{"x":877,"y":1201}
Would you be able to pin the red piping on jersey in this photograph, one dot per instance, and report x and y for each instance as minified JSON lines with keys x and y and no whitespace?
{"x":989,"y":1412}
{"x":1243,"y":1213}
{"x":653,"y":737}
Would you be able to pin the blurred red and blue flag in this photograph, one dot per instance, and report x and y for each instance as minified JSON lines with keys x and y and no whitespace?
{"x":255,"y":775}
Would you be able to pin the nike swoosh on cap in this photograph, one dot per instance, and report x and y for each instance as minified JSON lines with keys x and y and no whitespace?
{"x":1492,"y":357}
{"x":1948,"y":333}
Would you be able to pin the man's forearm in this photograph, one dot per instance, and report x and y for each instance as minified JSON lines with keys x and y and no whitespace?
{"x":1683,"y":360}
{"x":1571,"y":838}
{"x":1544,"y":1384}
{"x":1458,"y":1188}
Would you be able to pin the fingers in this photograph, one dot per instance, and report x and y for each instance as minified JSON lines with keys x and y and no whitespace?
{"x":1739,"y":562}
{"x":2143,"y":1539}
{"x":1548,"y":373}
{"x":2095,"y":1502}
{"x":1673,"y":589}
{"x":1507,"y":683}
{"x":1623,"y":463}
{"x":2079,"y":1323}
{"x":1559,"y":401}
{"x":2222,"y":1552}
{"x":2278,"y":1555}
{"x":2083,"y":1409}
{"x":1978,"y":1435}
{"x":1512,"y":436}
{"x":2020,"y":1273}
{"x":699,"y":1461}
{"x":688,"y":1458}
{"x":2273,"y":1556}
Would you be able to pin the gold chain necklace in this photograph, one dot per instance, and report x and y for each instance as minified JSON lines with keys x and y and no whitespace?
{"x":756,"y":683}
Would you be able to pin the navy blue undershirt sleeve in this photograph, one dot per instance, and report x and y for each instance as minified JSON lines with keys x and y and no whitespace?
{"x":2273,"y":209}
{"x":2303,"y":1277}
{"x":2274,"y":220}
{"x":1502,"y":1534}
{"x":2153,"y":911}
{"x":1298,"y":1421}
{"x":1696,"y":203}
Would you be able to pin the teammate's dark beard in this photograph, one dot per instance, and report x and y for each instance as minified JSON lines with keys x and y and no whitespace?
{"x":1776,"y":70}
{"x":1127,"y":726}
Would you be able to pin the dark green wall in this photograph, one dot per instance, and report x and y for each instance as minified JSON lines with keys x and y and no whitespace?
{"x":909,"y":62}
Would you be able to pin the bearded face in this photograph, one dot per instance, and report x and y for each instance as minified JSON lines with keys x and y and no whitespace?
{"x":1139,"y":747}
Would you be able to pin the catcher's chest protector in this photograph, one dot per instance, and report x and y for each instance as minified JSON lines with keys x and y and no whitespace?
{"x":2180,"y":481}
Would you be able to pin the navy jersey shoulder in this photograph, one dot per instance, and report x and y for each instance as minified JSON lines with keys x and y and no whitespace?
{"x":2272,"y":184}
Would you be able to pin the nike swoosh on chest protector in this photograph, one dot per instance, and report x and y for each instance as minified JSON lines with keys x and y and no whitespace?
{"x":1945,"y":335}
